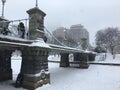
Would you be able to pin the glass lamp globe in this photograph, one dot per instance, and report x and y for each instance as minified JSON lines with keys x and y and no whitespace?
{"x":3,"y":1}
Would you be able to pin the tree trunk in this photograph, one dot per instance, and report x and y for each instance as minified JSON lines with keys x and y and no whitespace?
{"x":114,"y":56}
{"x":112,"y":51}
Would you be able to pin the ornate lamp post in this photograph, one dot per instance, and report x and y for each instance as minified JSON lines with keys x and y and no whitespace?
{"x":36,"y":3}
{"x":3,"y":3}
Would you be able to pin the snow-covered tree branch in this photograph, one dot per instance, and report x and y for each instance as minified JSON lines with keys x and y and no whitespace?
{"x":109,"y":37}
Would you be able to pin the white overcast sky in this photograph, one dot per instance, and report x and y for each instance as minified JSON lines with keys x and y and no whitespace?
{"x":93,"y":14}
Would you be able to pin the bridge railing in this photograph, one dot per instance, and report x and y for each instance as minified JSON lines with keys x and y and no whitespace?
{"x":10,"y":28}
{"x":53,"y":40}
{"x":50,"y":35}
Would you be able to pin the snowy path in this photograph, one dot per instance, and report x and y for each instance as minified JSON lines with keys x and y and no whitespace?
{"x":95,"y":78}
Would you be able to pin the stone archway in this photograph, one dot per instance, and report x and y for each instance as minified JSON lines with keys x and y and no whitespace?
{"x":16,"y":61}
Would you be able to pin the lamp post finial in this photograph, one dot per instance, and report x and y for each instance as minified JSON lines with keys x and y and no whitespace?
{"x":36,"y":3}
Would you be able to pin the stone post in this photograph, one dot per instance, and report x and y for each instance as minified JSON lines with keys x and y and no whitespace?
{"x":64,"y":62}
{"x":5,"y":65}
{"x":76,"y":57}
{"x":36,"y":23}
{"x":82,"y":59}
{"x":4,"y":23}
{"x":34,"y":69}
{"x":91,"y":56}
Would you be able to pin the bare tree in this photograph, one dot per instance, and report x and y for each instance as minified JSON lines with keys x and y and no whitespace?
{"x":110,"y":37}
{"x":100,"y":37}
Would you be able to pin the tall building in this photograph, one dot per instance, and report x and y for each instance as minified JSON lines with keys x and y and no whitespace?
{"x":59,"y":33}
{"x":80,"y":35}
{"x":74,"y":37}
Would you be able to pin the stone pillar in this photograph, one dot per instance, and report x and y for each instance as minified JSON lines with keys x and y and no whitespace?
{"x":83,"y":58}
{"x":5,"y":65}
{"x":36,"y":23}
{"x":34,"y":68}
{"x":76,"y":57}
{"x":64,"y":62}
{"x":4,"y":23}
{"x":91,"y":56}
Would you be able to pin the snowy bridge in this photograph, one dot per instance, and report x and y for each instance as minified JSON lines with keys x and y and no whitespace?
{"x":34,"y":69}
{"x":34,"y":59}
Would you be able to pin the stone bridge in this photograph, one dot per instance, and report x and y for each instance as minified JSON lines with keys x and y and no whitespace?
{"x":34,"y":62}
{"x":34,"y":69}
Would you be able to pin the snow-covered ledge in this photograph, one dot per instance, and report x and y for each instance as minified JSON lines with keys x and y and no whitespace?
{"x":39,"y":43}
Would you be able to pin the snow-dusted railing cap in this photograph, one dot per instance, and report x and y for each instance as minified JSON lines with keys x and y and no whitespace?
{"x":39,"y":43}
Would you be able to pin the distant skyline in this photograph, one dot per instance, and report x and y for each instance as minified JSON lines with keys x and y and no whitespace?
{"x":92,"y":14}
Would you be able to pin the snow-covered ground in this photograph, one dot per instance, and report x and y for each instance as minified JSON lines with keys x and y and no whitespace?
{"x":109,"y":58}
{"x":96,"y":77}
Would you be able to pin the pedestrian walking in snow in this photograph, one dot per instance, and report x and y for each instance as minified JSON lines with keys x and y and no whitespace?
{"x":21,"y":30}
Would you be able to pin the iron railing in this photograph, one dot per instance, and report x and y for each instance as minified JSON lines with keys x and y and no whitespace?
{"x":10,"y":28}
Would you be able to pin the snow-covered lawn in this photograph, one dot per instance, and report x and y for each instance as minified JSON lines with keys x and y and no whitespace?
{"x":109,"y":58}
{"x":96,"y":77}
